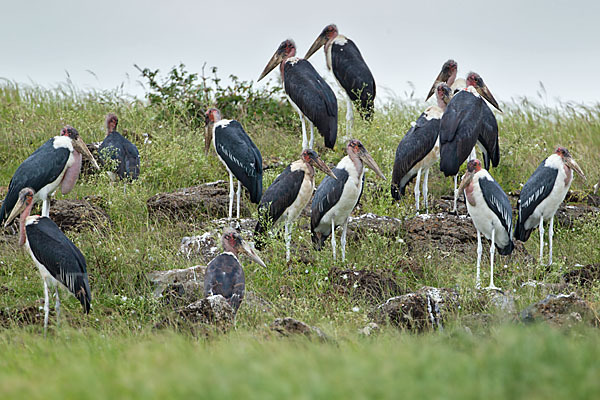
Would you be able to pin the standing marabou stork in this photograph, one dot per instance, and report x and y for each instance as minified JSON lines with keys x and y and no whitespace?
{"x":491,"y":213}
{"x":224,"y":274}
{"x":288,"y":195}
{"x":56,"y":162}
{"x":350,"y":70}
{"x":336,"y":198}
{"x":419,"y":149}
{"x":466,"y":122}
{"x":307,"y":92}
{"x":116,"y":147}
{"x":56,"y":257}
{"x":238,"y":153}
{"x":542,"y":194}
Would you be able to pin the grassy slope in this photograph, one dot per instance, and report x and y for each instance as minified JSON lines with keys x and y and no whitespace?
{"x":123,"y":314}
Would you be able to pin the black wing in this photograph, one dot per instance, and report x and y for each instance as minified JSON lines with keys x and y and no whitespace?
{"x":42,"y":167}
{"x":489,"y":137}
{"x":313,"y":96}
{"x":326,"y":196}
{"x":536,"y":189}
{"x":498,"y":202}
{"x":225,"y":276}
{"x":459,"y":130}
{"x":242,"y":157}
{"x":61,"y":257}
{"x":414,"y":146}
{"x":277,"y":198}
{"x":118,"y":148}
{"x":352,"y":72}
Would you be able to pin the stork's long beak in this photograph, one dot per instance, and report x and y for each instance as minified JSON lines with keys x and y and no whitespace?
{"x":17,"y":209}
{"x":575,"y":167}
{"x":367,"y":159}
{"x":252,"y":253}
{"x":443,"y":76}
{"x":207,"y":137}
{"x":319,"y":42}
{"x":273,"y":62}
{"x":486,"y":94}
{"x":82,"y":148}
{"x":465,"y":181}
{"x":319,"y":163}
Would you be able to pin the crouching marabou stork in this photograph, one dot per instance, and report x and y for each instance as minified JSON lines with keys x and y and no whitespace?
{"x":491,"y":213}
{"x":238,"y":153}
{"x":56,"y":162}
{"x":56,"y":257}
{"x":542,"y":194}
{"x":307,"y":92}
{"x":288,"y":195}
{"x":336,"y":198}
{"x":224,"y":274}
{"x":419,"y":149}
{"x":466,"y":122}
{"x":116,"y":147}
{"x":350,"y":70}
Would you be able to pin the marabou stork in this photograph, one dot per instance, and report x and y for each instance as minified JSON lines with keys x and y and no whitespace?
{"x":350,"y":71}
{"x":542,"y":194}
{"x":238,"y":153}
{"x":59,"y":261}
{"x":224,"y":274}
{"x":116,"y":147}
{"x":307,"y":92}
{"x":491,"y":213}
{"x":466,"y":122}
{"x":447,"y":75}
{"x":56,"y":162}
{"x":336,"y":198}
{"x":288,"y":195}
{"x":419,"y":149}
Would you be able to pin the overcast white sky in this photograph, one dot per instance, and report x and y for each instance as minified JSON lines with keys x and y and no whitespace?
{"x":513,"y":44}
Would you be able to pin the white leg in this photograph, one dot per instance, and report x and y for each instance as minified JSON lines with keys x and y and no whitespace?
{"x":473,"y":155}
{"x":417,"y":191}
{"x":479,"y":251}
{"x":541,"y":240}
{"x":57,"y":306}
{"x":46,"y":208}
{"x":492,"y":254}
{"x":333,"y":237}
{"x":288,"y":240}
{"x":231,"y":190}
{"x":46,"y":307}
{"x":455,"y":193}
{"x":304,"y":138}
{"x":550,"y":234}
{"x":425,"y":190}
{"x":344,"y":230}
{"x":349,"y":117}
{"x":312,"y":135}
{"x":239,"y":191}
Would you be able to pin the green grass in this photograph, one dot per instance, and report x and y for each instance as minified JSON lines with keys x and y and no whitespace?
{"x":117,"y":352}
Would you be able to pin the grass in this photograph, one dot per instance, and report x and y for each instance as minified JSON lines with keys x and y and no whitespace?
{"x":116,"y":352}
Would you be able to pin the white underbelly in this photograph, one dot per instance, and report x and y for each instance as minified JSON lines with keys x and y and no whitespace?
{"x":548,"y":207}
{"x":304,"y":195}
{"x":485,"y":220}
{"x":340,"y":212}
{"x":50,"y":188}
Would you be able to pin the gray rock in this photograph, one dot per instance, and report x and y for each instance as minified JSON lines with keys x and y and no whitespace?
{"x":503,"y":302}
{"x":371,"y":223}
{"x":212,"y":310}
{"x":560,"y":310}
{"x":290,"y":326}
{"x":164,"y":279}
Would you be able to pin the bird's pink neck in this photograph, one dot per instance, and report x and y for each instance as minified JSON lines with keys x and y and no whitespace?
{"x":22,"y":220}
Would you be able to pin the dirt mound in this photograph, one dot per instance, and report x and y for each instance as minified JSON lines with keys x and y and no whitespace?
{"x":365,"y":224}
{"x":560,"y":310}
{"x":79,"y":214}
{"x":290,"y":327}
{"x":445,"y":231}
{"x":583,"y":276}
{"x":367,"y":285}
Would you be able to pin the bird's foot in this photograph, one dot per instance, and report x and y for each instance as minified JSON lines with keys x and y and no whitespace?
{"x":493,"y":287}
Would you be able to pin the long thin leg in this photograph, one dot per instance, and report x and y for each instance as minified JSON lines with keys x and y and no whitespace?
{"x":425,"y":190}
{"x":344,"y":230}
{"x":46,"y":208}
{"x":455,"y":193}
{"x":492,"y":253}
{"x":239,"y":191}
{"x":231,"y":190}
{"x":479,"y":251}
{"x":46,"y":307}
{"x":312,"y":135}
{"x":288,"y":240}
{"x":550,"y":234}
{"x":349,"y":117}
{"x":333,"y":236}
{"x":57,"y":306}
{"x":304,"y":138}
{"x":417,"y":189}
{"x":541,"y":240}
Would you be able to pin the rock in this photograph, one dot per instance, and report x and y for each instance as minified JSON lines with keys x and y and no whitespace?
{"x":78,"y":214}
{"x":560,"y":310}
{"x":209,"y":199}
{"x":256,"y":303}
{"x":290,"y":326}
{"x":212,"y":310}
{"x":504,"y":302}
{"x":180,"y":294}
{"x":476,"y":322}
{"x":369,"y":329}
{"x":445,"y":231}
{"x":422,"y":310}
{"x":584,"y":275}
{"x":174,"y":277}
{"x":365,"y":285}
{"x":365,"y":224}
